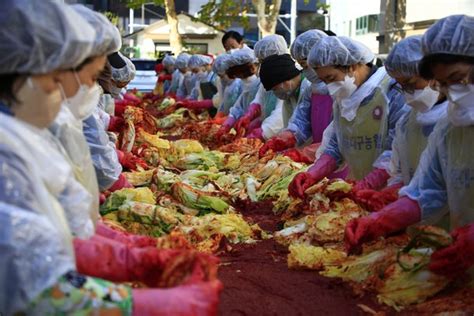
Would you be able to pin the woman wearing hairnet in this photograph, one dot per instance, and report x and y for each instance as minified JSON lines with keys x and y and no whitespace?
{"x":427,"y":107}
{"x":199,"y":66}
{"x":307,"y":120}
{"x":367,"y":105}
{"x":123,"y":71}
{"x":38,"y":261}
{"x":186,"y":85}
{"x":444,"y":172}
{"x":168,"y":65}
{"x":228,"y":90}
{"x":264,"y":115}
{"x":243,"y":65}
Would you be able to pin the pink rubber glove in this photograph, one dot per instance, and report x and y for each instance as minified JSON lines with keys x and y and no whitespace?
{"x":324,"y":166}
{"x":392,"y":218}
{"x":253,"y":111}
{"x":198,"y":105}
{"x":225,"y":128}
{"x":121,"y":183}
{"x":195,"y":299}
{"x":125,"y":238}
{"x":280,"y":142}
{"x":375,"y":180}
{"x":256,"y":133}
{"x":118,"y":262}
{"x":454,"y":260}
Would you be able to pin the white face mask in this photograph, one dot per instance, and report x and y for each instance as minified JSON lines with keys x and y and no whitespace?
{"x":35,"y":106}
{"x":461,"y":104}
{"x":343,"y":89}
{"x":311,"y":75}
{"x":83,"y":103}
{"x":115,"y":92}
{"x":422,"y":100}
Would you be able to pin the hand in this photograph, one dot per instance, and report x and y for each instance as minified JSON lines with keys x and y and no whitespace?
{"x":256,"y":133}
{"x":454,"y":260}
{"x":116,"y":124}
{"x":242,"y":124}
{"x":279,"y":142}
{"x":162,"y":78}
{"x":121,"y":183}
{"x":300,"y":183}
{"x":375,"y":180}
{"x":130,"y":161}
{"x":392,"y":218}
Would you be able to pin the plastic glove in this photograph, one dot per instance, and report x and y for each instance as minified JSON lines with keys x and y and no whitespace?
{"x":121,"y":183}
{"x":198,"y":105}
{"x":162,"y":78}
{"x":116,"y":124}
{"x":253,"y":111}
{"x":256,"y":133}
{"x":280,"y":142}
{"x":130,"y":161}
{"x":454,"y":260}
{"x":225,"y":128}
{"x":306,"y":154}
{"x":324,"y":166}
{"x":194,"y":299}
{"x":373,"y":200}
{"x":123,"y":237}
{"x":392,"y":218}
{"x":242,"y":124}
{"x":375,"y":180}
{"x":118,"y":262}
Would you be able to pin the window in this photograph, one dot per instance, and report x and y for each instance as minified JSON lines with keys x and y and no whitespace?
{"x":367,"y":24}
{"x":197,"y":48}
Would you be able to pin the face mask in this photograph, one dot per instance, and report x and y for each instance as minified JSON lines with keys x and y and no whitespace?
{"x":115,"y":92}
{"x":422,"y":100}
{"x":230,"y":51}
{"x":342,"y":89}
{"x":84,"y":101}
{"x":461,"y":105}
{"x":35,"y":106}
{"x":311,"y":75}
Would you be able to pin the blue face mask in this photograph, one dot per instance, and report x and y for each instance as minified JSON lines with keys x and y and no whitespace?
{"x":311,"y":75}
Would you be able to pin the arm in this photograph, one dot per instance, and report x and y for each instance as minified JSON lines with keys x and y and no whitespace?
{"x":300,"y":121}
{"x":273,"y":124}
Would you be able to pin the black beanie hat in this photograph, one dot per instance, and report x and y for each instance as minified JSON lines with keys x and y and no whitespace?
{"x":276,"y":69}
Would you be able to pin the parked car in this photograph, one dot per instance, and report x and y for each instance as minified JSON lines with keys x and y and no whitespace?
{"x":145,"y":76}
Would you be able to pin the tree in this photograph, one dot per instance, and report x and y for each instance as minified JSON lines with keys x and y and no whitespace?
{"x":221,"y":14}
{"x":175,"y":37}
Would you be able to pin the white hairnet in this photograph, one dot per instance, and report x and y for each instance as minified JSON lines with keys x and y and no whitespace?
{"x":451,"y":35}
{"x":241,"y":57}
{"x":199,"y":61}
{"x":41,"y":36}
{"x":182,"y":61}
{"x":168,"y":61}
{"x":270,"y":45}
{"x":221,"y":64}
{"x":302,"y":45}
{"x":107,"y":38}
{"x":339,"y":51}
{"x":404,"y":58}
{"x":126,"y":73}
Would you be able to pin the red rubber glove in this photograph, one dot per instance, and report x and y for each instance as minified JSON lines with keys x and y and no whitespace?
{"x":124,"y":238}
{"x":392,"y":218}
{"x":375,"y":180}
{"x":253,"y":111}
{"x":256,"y":133}
{"x":324,"y":166}
{"x":162,"y":78}
{"x":121,"y":183}
{"x":220,"y":118}
{"x":132,"y":99}
{"x":194,"y":299}
{"x":280,"y":142}
{"x":118,"y":262}
{"x":242,"y":124}
{"x":116,"y":124}
{"x":306,"y":154}
{"x":130,"y":161}
{"x":198,"y":105}
{"x":454,"y":260}
{"x":373,"y":200}
{"x":225,"y":128}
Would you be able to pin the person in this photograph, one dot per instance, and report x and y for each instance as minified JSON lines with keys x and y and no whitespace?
{"x":228,"y":89}
{"x":198,"y":64}
{"x":40,"y":272}
{"x":264,"y":117}
{"x":183,"y":77}
{"x":233,"y":40}
{"x":243,"y":65}
{"x":367,"y":105}
{"x":123,"y":71}
{"x":175,"y":77}
{"x":442,"y":177}
{"x":312,"y":115}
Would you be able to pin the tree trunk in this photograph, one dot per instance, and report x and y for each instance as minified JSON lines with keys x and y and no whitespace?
{"x":267,"y":24}
{"x":175,"y":37}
